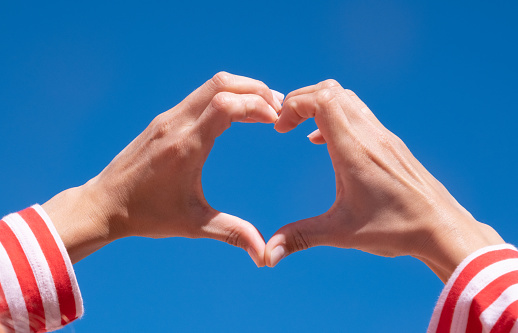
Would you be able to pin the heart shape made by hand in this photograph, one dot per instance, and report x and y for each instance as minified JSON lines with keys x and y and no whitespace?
{"x":386,"y":202}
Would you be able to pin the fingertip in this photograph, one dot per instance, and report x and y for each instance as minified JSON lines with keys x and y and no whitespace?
{"x":278,"y":95}
{"x":316,"y":137}
{"x":317,"y":140}
{"x":279,"y":127}
{"x":277,"y":254}
{"x":274,"y":115}
{"x":277,"y":106}
{"x":276,"y":127}
{"x":313,"y":134}
{"x":256,"y":251}
{"x":258,"y":260}
{"x":312,"y":140}
{"x":275,"y":250}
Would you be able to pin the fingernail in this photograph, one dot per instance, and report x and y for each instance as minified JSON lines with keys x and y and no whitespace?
{"x":278,"y":98}
{"x":277,"y":254}
{"x":253,"y":254}
{"x":312,"y":134}
{"x":276,"y":116}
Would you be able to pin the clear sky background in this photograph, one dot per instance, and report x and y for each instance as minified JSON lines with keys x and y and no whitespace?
{"x":79,"y":81}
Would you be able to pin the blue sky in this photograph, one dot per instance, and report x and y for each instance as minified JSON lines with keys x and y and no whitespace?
{"x":80,"y":81}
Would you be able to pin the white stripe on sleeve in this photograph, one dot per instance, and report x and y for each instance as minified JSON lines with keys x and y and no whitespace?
{"x":478,"y":283}
{"x":40,"y":268}
{"x":70,"y":269}
{"x":13,"y":293}
{"x":434,"y":322}
{"x":493,"y":312}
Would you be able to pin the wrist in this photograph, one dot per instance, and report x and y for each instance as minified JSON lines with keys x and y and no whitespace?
{"x":454,"y":240}
{"x":83,"y":220}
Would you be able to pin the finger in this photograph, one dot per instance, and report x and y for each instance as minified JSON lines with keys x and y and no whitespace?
{"x":316,"y":137}
{"x":350,"y":101}
{"x":296,"y":236}
{"x":330,"y":83}
{"x":278,"y":96}
{"x":237,"y":232}
{"x":294,"y":111}
{"x":248,"y":120}
{"x":226,"y":108}
{"x":323,"y":105}
{"x":198,"y":100}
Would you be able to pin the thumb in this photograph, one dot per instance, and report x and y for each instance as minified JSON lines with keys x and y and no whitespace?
{"x":296,"y":236}
{"x":237,"y":232}
{"x":316,"y":137}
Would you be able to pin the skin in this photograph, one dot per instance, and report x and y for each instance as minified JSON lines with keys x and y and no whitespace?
{"x":386,"y":203}
{"x":153,"y":187}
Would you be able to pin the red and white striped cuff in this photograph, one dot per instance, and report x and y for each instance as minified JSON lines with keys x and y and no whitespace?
{"x":38,"y":287}
{"x":481,"y":295}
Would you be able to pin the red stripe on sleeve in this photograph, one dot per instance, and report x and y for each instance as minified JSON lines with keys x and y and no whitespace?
{"x":469,"y":272}
{"x":506,"y":321}
{"x":56,"y":263}
{"x":486,"y":297}
{"x":5,"y":314}
{"x":25,"y":275}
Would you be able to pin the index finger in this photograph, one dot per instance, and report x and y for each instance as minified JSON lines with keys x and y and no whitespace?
{"x":199,"y":99}
{"x":329,"y":83}
{"x":323,"y":105}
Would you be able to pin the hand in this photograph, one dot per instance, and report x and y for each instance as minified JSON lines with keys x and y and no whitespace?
{"x":153,"y":187}
{"x":387,"y":203}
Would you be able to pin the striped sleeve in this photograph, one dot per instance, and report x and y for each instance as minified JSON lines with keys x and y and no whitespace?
{"x":38,"y":287}
{"x":481,"y":295}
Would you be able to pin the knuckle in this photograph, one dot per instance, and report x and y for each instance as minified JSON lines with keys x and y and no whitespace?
{"x":233,"y":236}
{"x":191,"y":143}
{"x":290,"y":95}
{"x":254,"y":100}
{"x":262,"y":87}
{"x":386,"y":140}
{"x":350,"y":92}
{"x":222,"y":80}
{"x":325,"y":96}
{"x":299,"y":240}
{"x":181,"y":149}
{"x":329,"y":83}
{"x":252,"y":105}
{"x":291,"y":104}
{"x":159,"y":127}
{"x":176,"y":151}
{"x":220,"y":101}
{"x":398,"y":142}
